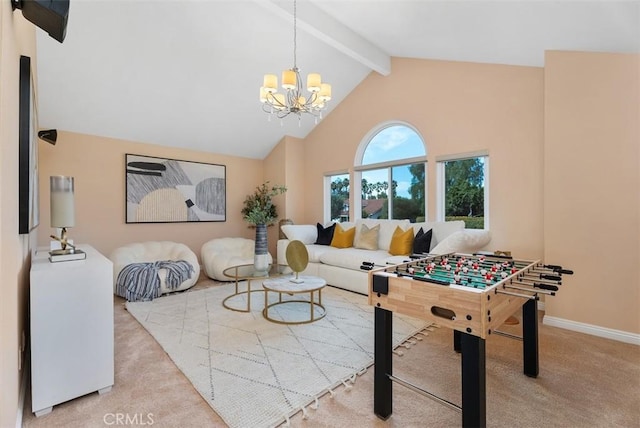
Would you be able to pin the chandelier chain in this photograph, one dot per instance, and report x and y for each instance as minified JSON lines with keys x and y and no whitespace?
{"x":295,"y":34}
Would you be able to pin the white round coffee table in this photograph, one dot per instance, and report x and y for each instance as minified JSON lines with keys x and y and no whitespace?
{"x":285,"y":285}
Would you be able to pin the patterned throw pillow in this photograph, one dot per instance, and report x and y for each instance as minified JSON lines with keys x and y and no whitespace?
{"x":422,"y":241}
{"x":368,"y":238}
{"x":401,"y":242}
{"x":325,"y":234}
{"x":343,"y":238}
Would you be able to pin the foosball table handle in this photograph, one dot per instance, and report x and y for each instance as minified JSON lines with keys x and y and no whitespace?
{"x":546,"y":287}
{"x":559,"y":269}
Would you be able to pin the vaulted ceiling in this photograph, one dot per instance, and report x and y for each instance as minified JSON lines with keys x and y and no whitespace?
{"x":186,"y":73}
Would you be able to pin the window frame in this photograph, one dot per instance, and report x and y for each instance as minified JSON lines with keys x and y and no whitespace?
{"x":440,"y":181}
{"x":359,"y":168}
{"x":327,"y":194}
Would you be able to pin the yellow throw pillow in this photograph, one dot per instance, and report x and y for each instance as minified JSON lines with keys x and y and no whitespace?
{"x":401,"y":242}
{"x":343,"y":238}
{"x":368,"y":238}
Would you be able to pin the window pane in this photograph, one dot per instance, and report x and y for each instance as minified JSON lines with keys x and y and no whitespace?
{"x":340,"y":197}
{"x":464,"y":191}
{"x":375,"y":185}
{"x":393,"y":143}
{"x":408,"y":192}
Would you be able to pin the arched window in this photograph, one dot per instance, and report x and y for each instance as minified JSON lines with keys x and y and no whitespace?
{"x":389,"y":174}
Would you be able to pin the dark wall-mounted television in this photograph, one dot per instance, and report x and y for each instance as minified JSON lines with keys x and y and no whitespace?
{"x":50,"y":15}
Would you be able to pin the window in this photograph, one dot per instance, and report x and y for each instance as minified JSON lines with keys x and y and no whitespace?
{"x":337,"y":187}
{"x":390,"y":174}
{"x":463,"y":189}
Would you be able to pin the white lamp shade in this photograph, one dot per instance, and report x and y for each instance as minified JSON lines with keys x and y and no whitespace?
{"x":313,"y":82}
{"x":325,"y":92}
{"x":289,"y":79}
{"x":62,"y":201}
{"x":270,"y":83}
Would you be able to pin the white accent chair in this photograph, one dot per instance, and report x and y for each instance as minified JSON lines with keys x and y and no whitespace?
{"x":153,"y":251}
{"x":221,"y":253}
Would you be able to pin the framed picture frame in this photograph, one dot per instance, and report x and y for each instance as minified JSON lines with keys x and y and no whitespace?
{"x":162,"y":190}
{"x":28,"y":205}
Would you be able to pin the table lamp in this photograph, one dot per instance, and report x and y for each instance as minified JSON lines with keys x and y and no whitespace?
{"x":62,"y":214}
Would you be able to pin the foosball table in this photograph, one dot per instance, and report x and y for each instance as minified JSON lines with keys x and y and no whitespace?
{"x":471,"y":294}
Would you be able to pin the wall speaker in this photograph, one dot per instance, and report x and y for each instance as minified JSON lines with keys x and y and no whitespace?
{"x":48,"y":135}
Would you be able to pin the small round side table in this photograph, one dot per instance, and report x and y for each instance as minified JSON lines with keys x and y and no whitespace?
{"x":285,"y":285}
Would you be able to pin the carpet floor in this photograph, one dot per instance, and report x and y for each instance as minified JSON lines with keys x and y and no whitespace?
{"x":229,"y":355}
{"x":584,"y":381}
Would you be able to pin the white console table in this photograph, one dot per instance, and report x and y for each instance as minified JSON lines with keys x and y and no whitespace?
{"x":71,"y":328}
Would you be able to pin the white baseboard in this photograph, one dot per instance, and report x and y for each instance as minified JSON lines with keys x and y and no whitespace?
{"x":23,"y":392}
{"x":594,"y":330}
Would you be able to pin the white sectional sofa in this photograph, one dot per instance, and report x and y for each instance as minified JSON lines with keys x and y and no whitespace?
{"x":341,"y":267}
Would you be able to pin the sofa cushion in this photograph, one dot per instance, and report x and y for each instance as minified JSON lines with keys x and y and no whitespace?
{"x":387,"y":227}
{"x":325,"y":234}
{"x":316,"y":251}
{"x":306,"y":233}
{"x":441,"y":229}
{"x":463,"y":241}
{"x":367,"y":239}
{"x":343,"y":238}
{"x":422,"y":241}
{"x":401,"y":242}
{"x":352,"y":258}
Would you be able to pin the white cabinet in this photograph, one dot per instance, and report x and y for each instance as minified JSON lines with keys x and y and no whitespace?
{"x":71,"y":328}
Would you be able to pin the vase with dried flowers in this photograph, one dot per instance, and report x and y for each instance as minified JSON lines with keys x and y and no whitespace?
{"x":260,"y":212}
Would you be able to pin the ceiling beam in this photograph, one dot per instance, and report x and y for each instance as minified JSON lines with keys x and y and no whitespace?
{"x":318,"y":23}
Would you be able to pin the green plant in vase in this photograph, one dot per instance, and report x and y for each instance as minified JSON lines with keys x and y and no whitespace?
{"x":260,"y":212}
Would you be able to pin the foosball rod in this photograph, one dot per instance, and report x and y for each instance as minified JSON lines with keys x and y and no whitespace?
{"x":536,"y":278}
{"x":541,"y":285}
{"x":543,"y":291}
{"x":524,"y":296}
{"x":559,"y":269}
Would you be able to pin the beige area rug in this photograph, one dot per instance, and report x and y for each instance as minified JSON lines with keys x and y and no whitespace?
{"x":256,"y":373}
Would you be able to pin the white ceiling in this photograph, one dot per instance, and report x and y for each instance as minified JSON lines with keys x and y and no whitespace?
{"x":186,"y":73}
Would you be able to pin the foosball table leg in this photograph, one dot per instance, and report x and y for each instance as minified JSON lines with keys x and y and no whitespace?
{"x":474,"y":388}
{"x":456,"y":341}
{"x":530,"y":338}
{"x":382,"y":368}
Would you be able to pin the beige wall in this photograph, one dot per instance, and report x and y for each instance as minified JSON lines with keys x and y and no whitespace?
{"x":285,"y":165}
{"x":98,"y":165}
{"x":457,"y":108}
{"x":17,"y":37}
{"x":592,"y":185}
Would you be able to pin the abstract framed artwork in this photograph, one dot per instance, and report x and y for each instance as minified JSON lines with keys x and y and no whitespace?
{"x":160,"y":190}
{"x":28,"y":207}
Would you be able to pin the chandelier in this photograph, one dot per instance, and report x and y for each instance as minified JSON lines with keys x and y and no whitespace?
{"x":293,"y":100}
